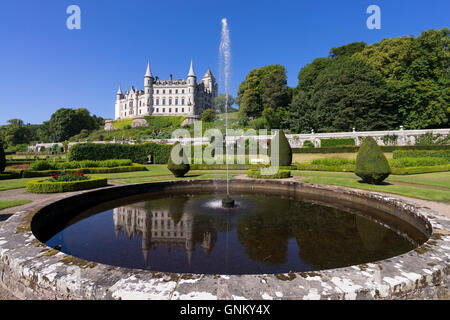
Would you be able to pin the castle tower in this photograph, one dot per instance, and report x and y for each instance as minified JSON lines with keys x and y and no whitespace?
{"x":192,"y":83}
{"x":119,"y":95}
{"x":148,"y":89}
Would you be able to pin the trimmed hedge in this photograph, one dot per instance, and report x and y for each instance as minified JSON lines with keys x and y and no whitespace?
{"x":49,"y":165}
{"x":9,"y":175}
{"x":417,"y":162}
{"x":136,"y":153}
{"x":398,"y":154}
{"x":356,"y":149}
{"x":40,"y":186}
{"x":284,"y":155}
{"x":47,"y":173}
{"x":281,"y":174}
{"x":333,"y":143}
{"x":178,"y":170}
{"x":371,"y":164}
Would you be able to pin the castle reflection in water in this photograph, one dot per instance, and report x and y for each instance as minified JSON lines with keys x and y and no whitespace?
{"x":158,"y":228}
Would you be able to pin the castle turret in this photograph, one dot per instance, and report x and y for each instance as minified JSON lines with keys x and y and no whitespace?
{"x":192,"y":83}
{"x":148,"y":86}
{"x":119,"y":96}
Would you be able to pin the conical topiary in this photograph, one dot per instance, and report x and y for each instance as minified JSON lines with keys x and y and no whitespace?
{"x":2,"y":158}
{"x":284,"y":155}
{"x":371,"y":164}
{"x":178,"y":163}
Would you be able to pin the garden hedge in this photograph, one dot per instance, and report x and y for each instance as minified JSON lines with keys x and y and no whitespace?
{"x":47,"y":173}
{"x":136,"y":153}
{"x":337,"y":142}
{"x":41,"y":186}
{"x":398,"y":154}
{"x":281,"y":174}
{"x":355,"y":149}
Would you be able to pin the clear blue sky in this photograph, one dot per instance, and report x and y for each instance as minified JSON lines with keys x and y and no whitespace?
{"x":44,"y":66}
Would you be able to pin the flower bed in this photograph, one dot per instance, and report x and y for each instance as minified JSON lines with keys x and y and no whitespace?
{"x":47,"y":173}
{"x":65,"y":183}
{"x":256,"y":174}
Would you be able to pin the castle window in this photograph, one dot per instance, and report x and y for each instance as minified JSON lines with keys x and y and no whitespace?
{"x":176,"y":109}
{"x":170,"y":91}
{"x":176,"y":91}
{"x":157,"y":109}
{"x":182,"y":102}
{"x":164,"y":91}
{"x":164,"y":102}
{"x":157,"y":91}
{"x":164,"y":110}
{"x":182,"y":109}
{"x":176,"y":101}
{"x":182,"y":91}
{"x":131,"y":104}
{"x":170,"y":110}
{"x":170,"y":101}
{"x":157,"y":102}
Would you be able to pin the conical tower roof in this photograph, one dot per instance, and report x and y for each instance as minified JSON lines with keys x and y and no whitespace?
{"x":191,"y":70}
{"x":149,"y":72}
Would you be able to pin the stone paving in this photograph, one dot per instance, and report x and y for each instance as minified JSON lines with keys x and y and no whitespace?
{"x":266,"y":286}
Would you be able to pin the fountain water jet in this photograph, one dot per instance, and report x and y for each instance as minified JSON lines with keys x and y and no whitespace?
{"x":225,"y":62}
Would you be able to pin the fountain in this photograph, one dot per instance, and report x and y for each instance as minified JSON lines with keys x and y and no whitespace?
{"x":225,"y":62}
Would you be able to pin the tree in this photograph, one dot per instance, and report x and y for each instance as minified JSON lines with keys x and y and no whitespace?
{"x":208,"y":115}
{"x":347,"y":94}
{"x":262,"y":88}
{"x":66,"y":123}
{"x":347,"y":50}
{"x":15,"y":132}
{"x":371,"y":164}
{"x":221,"y":103}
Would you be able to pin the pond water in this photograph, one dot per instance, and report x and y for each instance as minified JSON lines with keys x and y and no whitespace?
{"x":194,"y":234}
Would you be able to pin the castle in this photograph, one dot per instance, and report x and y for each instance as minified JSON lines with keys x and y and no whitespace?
{"x":180,"y":97}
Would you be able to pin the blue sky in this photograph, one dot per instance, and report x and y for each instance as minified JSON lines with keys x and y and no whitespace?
{"x":44,"y":66}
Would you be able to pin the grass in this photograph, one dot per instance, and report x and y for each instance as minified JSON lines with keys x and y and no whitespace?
{"x":411,"y":186}
{"x":351,"y":180}
{"x":12,"y":203}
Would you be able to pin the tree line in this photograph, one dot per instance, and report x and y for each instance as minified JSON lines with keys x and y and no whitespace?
{"x":397,"y":81}
{"x":63,"y":124}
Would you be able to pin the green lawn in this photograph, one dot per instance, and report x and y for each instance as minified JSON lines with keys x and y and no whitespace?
{"x":348,"y":179}
{"x":436,"y":183}
{"x":12,"y":203}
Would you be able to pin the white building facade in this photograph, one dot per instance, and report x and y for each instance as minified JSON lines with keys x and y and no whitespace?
{"x":180,"y":97}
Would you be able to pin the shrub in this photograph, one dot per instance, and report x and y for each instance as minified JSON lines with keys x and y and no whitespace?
{"x":43,"y":165}
{"x":308,"y":144}
{"x":398,"y":154}
{"x":335,"y":142}
{"x":136,"y":153}
{"x":177,"y":153}
{"x":371,"y":164}
{"x":2,"y":158}
{"x":43,"y":186}
{"x":208,"y":115}
{"x":281,"y":174}
{"x":284,"y":150}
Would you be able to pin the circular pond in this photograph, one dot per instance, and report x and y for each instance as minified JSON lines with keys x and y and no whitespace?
{"x":193,"y":233}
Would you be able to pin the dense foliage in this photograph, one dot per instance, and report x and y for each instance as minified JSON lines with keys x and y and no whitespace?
{"x":329,"y":143}
{"x":371,"y":164}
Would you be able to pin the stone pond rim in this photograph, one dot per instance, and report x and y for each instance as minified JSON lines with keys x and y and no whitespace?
{"x":31,"y":270}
